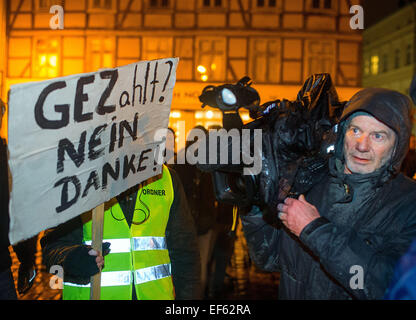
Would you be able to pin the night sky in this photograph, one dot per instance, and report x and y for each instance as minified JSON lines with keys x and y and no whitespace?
{"x":375,"y":10}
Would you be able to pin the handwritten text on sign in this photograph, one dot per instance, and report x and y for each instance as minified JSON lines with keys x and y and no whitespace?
{"x":78,"y":141}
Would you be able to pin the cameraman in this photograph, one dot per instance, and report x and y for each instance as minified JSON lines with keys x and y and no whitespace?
{"x":360,"y":216}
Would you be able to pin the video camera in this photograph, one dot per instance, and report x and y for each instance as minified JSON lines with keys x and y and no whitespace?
{"x":297,"y":138}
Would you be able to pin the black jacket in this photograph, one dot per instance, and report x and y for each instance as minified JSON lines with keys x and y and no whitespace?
{"x":181,"y":240}
{"x":367,"y":220}
{"x":5,"y":261}
{"x":200,"y":194}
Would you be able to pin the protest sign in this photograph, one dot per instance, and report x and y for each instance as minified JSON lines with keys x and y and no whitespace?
{"x":78,"y":141}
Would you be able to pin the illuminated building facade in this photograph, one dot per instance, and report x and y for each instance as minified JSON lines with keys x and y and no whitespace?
{"x":278,"y":43}
{"x":389,"y":52}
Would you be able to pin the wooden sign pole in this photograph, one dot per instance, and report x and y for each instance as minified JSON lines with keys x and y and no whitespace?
{"x":97,"y":245}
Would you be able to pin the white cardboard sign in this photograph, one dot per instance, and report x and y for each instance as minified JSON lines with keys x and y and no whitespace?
{"x":78,"y":141}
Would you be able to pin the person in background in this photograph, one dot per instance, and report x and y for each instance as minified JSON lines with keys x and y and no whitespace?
{"x":409,"y":163}
{"x":200,"y":194}
{"x":7,"y":288}
{"x":403,"y":285}
{"x":25,"y":250}
{"x":224,"y":237}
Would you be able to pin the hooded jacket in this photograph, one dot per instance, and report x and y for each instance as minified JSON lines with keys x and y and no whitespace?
{"x":367,"y":221}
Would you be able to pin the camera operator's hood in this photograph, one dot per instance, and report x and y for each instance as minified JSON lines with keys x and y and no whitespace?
{"x":388,"y":106}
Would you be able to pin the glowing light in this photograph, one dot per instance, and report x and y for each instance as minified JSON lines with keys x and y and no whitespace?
{"x":175,"y":114}
{"x":199,"y":115}
{"x":245,"y":117}
{"x":201,"y":69}
{"x":213,"y":66}
{"x":209,"y":114}
{"x":204,"y":78}
{"x":42,"y":59}
{"x":53,"y":60}
{"x":374,"y":64}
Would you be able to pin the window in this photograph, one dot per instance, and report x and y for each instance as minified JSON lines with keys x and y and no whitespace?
{"x":156,"y":48}
{"x":384,"y":63}
{"x":408,"y":55}
{"x":319,"y":57}
{"x":322,"y":5}
{"x":159,"y":4}
{"x":212,"y":3}
{"x":266,"y":3}
{"x":265,"y":61}
{"x":374,"y":65}
{"x":46,"y":64}
{"x":396,"y":58}
{"x":366,"y":66}
{"x":210,"y":59}
{"x":45,"y":5}
{"x":266,"y":6}
{"x":101,"y":53}
{"x":101,"y":5}
{"x":328,"y":4}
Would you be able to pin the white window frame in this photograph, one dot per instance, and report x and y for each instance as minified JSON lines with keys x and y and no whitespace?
{"x":217,"y":57}
{"x":276,"y":56}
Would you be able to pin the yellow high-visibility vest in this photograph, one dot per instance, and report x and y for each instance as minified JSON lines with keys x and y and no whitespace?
{"x":139,"y":254}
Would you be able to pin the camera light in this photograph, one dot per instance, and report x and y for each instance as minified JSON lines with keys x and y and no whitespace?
{"x":228,"y":97}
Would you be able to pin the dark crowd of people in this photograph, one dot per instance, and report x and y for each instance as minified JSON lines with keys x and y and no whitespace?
{"x":352,"y":236}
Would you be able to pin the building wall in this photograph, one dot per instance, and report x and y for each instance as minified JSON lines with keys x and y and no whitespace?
{"x":389,"y":52}
{"x":278,"y":44}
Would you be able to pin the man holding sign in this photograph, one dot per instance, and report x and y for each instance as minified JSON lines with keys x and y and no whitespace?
{"x":86,"y":140}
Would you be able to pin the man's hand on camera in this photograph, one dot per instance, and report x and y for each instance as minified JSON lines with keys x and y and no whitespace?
{"x":296,"y":214}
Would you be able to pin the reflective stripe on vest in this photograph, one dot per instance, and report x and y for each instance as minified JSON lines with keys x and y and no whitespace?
{"x":139,"y":244}
{"x":138,"y":256}
{"x":153,"y":273}
{"x":109,"y":279}
{"x":123,"y":278}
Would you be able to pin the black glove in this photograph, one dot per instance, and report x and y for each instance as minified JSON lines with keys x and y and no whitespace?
{"x":79,"y":265}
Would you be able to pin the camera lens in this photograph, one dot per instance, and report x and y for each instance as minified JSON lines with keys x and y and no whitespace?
{"x":228,"y":97}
